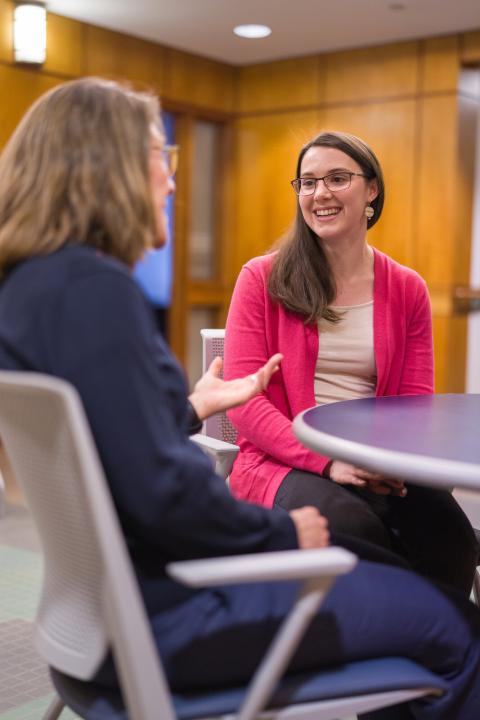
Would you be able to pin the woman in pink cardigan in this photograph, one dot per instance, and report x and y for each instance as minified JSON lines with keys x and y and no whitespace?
{"x":350,"y":323}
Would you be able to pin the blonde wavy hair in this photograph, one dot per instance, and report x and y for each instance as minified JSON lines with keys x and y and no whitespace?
{"x":76,"y":170}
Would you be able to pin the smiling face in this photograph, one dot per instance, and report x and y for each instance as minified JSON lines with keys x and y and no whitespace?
{"x":161,"y":184}
{"x":333,"y":215}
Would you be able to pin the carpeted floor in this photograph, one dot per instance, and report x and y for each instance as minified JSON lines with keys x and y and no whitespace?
{"x":25,"y":689}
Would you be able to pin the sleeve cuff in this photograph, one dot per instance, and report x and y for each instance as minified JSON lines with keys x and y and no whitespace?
{"x":194,"y":424}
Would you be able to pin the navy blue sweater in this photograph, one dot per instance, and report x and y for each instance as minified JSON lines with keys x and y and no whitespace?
{"x":78,"y":315}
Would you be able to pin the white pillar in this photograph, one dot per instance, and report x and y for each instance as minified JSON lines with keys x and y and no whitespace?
{"x":473,"y":343}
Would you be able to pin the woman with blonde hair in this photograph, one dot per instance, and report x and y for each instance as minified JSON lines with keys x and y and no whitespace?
{"x":83,"y":184}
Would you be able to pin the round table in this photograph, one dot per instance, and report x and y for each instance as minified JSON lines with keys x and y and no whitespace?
{"x":427,"y":439}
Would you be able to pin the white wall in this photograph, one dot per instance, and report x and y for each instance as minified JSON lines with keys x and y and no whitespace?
{"x":473,"y":345}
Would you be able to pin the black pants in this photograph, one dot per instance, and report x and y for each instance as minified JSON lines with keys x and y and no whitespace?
{"x":426,"y":527}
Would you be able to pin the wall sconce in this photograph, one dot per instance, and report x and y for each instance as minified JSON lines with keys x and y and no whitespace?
{"x":29,"y":32}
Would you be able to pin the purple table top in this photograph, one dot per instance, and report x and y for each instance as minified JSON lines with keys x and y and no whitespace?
{"x":430,"y":439}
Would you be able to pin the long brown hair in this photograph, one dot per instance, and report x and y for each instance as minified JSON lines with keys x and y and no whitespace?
{"x":301,"y":279}
{"x":76,"y":170}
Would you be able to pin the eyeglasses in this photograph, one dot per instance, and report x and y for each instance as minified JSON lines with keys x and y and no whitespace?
{"x":170,"y":156}
{"x":332,"y":181}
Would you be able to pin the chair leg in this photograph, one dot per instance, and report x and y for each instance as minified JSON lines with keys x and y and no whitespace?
{"x":476,"y":588}
{"x":54,"y":709}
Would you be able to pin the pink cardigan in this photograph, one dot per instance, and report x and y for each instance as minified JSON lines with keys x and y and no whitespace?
{"x":257,"y":327}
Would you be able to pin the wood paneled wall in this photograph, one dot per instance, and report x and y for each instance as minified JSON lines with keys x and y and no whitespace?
{"x":76,"y":49}
{"x":188,"y":85}
{"x":409,"y":101}
{"x":184,"y":82}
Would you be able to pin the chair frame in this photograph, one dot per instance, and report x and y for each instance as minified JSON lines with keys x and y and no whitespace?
{"x":125,"y":625}
{"x":30,"y":432}
{"x":211,"y":439}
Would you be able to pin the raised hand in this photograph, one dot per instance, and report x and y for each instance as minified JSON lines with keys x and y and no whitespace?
{"x":211,"y":394}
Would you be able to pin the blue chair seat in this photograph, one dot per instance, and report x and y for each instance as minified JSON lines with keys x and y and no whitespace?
{"x":357,"y":678}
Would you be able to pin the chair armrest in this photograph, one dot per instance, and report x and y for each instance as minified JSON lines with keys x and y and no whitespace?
{"x":317,"y":568}
{"x":263,"y":567}
{"x":221,"y":453}
{"x":211,"y":443}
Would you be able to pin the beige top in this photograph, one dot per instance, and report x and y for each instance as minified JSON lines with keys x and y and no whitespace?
{"x":345,"y":367}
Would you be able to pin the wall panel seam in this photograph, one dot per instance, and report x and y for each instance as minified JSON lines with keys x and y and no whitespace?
{"x":360,"y":102}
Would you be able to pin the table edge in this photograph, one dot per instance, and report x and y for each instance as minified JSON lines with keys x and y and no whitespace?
{"x":420,"y":469}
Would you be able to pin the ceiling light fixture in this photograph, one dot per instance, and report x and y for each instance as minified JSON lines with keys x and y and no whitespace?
{"x":29,"y":32}
{"x":252,"y":31}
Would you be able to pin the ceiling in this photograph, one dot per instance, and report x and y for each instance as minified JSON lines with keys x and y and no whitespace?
{"x":299,"y":27}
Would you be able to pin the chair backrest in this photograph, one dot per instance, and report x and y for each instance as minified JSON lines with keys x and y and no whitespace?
{"x":217,"y":426}
{"x":90,"y":599}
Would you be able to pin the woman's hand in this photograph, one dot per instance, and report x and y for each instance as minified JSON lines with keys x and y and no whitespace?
{"x":346,"y":474}
{"x":211,"y":394}
{"x":311,"y":527}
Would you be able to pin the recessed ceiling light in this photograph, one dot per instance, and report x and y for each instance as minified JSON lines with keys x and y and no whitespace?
{"x":252,"y":31}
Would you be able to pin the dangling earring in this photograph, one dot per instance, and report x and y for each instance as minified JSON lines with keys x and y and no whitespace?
{"x":369,"y":212}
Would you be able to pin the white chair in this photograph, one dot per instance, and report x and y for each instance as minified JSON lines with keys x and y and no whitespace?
{"x":218,"y":437}
{"x":91,"y":602}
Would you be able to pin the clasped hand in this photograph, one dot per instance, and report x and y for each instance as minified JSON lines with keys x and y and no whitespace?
{"x":346,"y":474}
